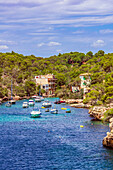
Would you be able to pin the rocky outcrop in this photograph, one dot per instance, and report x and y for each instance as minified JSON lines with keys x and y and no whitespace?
{"x":108,"y":140}
{"x":73,"y":101}
{"x":98,"y":111}
{"x":80,"y":105}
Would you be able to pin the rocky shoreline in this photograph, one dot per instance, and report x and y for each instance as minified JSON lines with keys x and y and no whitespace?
{"x":108,"y":140}
{"x":98,"y":113}
{"x":78,"y":103}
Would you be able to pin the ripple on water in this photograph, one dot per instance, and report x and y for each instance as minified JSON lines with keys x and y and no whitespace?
{"x":52,"y":141}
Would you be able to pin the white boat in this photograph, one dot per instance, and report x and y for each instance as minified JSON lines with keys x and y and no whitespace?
{"x":54,"y":111}
{"x":25,"y":105}
{"x":42,"y":98}
{"x":37,"y":99}
{"x":35,"y":96}
{"x":8,"y":104}
{"x":31,"y":103}
{"x":12,"y":101}
{"x":46,"y":104}
{"x":35,"y":113}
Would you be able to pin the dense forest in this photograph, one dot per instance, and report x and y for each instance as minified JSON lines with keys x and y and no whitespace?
{"x":66,"y":68}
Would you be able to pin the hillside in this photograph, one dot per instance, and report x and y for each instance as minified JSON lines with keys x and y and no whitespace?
{"x":66,"y":67}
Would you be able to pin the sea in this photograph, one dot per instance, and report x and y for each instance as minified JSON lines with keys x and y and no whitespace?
{"x":63,"y":141}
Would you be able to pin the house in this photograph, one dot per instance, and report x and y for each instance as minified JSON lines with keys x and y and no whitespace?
{"x":75,"y":89}
{"x":85,"y":82}
{"x":46,"y":82}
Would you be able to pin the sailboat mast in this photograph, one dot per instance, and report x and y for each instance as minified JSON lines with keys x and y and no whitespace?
{"x":11,"y":90}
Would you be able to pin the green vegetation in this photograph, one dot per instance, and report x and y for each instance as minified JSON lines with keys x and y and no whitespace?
{"x":108,"y":114}
{"x":66,"y":68}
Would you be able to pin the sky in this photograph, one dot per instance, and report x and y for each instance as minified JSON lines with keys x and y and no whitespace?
{"x":48,"y":27}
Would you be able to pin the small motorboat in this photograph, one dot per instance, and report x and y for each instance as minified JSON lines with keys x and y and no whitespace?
{"x":68,"y":110}
{"x":37,"y":99}
{"x":62,"y":102}
{"x":47,"y":110}
{"x":46,"y":104}
{"x":31,"y":103}
{"x":25,"y":105}
{"x":12,"y":101}
{"x":35,"y":113}
{"x":54,"y":111}
{"x":57,"y":102}
{"x":42,"y":99}
{"x":8,"y":104}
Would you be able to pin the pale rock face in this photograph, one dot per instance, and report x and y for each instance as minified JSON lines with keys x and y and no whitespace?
{"x":108,"y":140}
{"x":111,"y":120}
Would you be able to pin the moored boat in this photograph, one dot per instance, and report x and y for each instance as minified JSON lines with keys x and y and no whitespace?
{"x":62,"y":102}
{"x":12,"y":101}
{"x":8,"y":104}
{"x":31,"y":103}
{"x":25,"y":105}
{"x":35,"y":113}
{"x":37,"y":99}
{"x":54,"y":111}
{"x":47,"y":110}
{"x":68,"y":110}
{"x":57,"y":102}
{"x":46,"y":104}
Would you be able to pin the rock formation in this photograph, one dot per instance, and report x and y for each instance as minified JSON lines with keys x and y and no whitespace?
{"x":108,"y":140}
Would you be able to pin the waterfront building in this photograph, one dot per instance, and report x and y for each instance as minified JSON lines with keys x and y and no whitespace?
{"x":46,"y":82}
{"x":85,"y":82}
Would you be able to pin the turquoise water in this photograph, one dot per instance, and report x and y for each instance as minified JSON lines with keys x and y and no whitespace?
{"x":52,"y":141}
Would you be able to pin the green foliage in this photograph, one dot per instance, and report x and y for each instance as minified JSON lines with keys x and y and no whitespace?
{"x":23,"y":69}
{"x":108,"y":114}
{"x":30,"y":88}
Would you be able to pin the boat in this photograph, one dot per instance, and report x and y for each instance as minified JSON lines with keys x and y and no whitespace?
{"x":62,"y":102}
{"x":54,"y":111}
{"x":57,"y":102}
{"x":38,"y":99}
{"x":25,"y":105}
{"x":8,"y":104}
{"x":34,"y":97}
{"x":42,"y":98}
{"x":47,"y":110}
{"x":31,"y":103}
{"x":35,"y":113}
{"x":68,"y":110}
{"x":46,"y":104}
{"x":12,"y":101}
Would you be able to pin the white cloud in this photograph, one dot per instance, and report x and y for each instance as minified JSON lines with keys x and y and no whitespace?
{"x":41,"y":44}
{"x":78,"y":32}
{"x":7,"y":41}
{"x":58,"y":51}
{"x":98,"y":43}
{"x":49,"y":44}
{"x":106,"y":31}
{"x":3,"y":47}
{"x":52,"y":43}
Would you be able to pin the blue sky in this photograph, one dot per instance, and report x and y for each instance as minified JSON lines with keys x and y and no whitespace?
{"x":49,"y":27}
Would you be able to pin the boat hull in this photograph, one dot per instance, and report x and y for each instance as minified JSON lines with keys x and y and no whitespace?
{"x":35,"y":114}
{"x":12,"y":102}
{"x":54,"y":111}
{"x":68,"y":111}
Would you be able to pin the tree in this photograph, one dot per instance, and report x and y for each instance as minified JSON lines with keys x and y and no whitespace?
{"x":30,"y":88}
